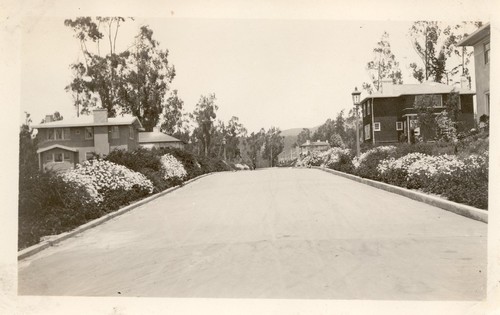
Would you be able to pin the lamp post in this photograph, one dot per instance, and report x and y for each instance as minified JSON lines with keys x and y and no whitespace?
{"x":355,"y":100}
{"x":224,"y":145}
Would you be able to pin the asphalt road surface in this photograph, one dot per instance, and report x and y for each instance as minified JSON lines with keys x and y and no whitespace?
{"x":273,"y":233}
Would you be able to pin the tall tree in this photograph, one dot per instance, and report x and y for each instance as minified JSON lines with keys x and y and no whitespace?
{"x":436,"y":45}
{"x":172,"y":119}
{"x":204,"y":115}
{"x":233,"y":132}
{"x":383,"y":65}
{"x":131,"y":81}
{"x":273,"y":145}
{"x":254,"y":144}
{"x":147,"y":79}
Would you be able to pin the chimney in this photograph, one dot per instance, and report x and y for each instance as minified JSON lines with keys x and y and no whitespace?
{"x":48,"y":118}
{"x":100,"y":115}
{"x":386,"y":86}
{"x":464,"y":83}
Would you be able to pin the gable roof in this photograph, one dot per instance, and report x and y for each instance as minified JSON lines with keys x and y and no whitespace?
{"x":88,"y":121}
{"x":56,"y":146}
{"x":428,"y":87}
{"x":156,"y":136}
{"x":477,"y":36}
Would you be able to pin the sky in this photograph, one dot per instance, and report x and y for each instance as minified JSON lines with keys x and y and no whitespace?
{"x":288,"y":73}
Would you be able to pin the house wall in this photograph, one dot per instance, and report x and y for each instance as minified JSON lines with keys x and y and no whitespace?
{"x":122,"y":141}
{"x":101,"y":140}
{"x":133,"y":143}
{"x":387,"y":111}
{"x":482,"y":72}
{"x":77,"y":138}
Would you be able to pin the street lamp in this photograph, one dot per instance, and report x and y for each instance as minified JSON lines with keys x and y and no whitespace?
{"x":355,"y":100}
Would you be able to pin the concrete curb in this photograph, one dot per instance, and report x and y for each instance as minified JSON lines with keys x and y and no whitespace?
{"x":29,"y":251}
{"x":460,"y":209}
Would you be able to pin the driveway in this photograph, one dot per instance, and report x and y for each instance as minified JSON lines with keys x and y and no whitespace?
{"x":273,"y":233}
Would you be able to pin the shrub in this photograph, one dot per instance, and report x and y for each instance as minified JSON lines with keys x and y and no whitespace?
{"x":366,"y":164}
{"x":135,"y":160}
{"x":395,"y":171}
{"x":466,"y":183}
{"x":172,"y":168}
{"x":104,"y":177}
{"x":189,"y":161}
{"x":339,"y":159}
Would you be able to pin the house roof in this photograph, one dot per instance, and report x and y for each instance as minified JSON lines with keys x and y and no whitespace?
{"x":56,"y":146}
{"x":428,"y":87}
{"x":156,"y":136}
{"x":477,"y":36}
{"x":88,"y":121}
{"x":314,"y":144}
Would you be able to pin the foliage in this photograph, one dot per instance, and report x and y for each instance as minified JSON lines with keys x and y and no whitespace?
{"x":133,"y":81}
{"x":172,"y":116}
{"x":204,"y":115}
{"x":303,"y":136}
{"x":383,"y":65}
{"x":366,"y":164}
{"x":172,"y":168}
{"x":136,"y":160}
{"x":254,"y":144}
{"x":436,"y":45}
{"x":104,"y":177}
{"x":273,"y":145}
{"x":146,"y":80}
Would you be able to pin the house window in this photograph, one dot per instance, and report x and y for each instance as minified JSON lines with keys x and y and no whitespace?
{"x":367,"y":132}
{"x":58,"y":157}
{"x":131,"y":132}
{"x":487,"y":53}
{"x":376,"y":126}
{"x":399,"y":125}
{"x":115,"y":132}
{"x":66,"y":156}
{"x":428,"y":100}
{"x":50,"y":134}
{"x":89,"y":133}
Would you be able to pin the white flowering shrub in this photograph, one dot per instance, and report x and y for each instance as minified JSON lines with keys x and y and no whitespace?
{"x":312,"y":159}
{"x":333,"y":157}
{"x":101,"y":177}
{"x":241,"y":166}
{"x":172,"y":168}
{"x":429,"y":166}
{"x":358,"y":161}
{"x":84,"y":182}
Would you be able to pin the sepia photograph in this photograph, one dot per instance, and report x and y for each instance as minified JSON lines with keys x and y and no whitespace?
{"x":218,"y":158}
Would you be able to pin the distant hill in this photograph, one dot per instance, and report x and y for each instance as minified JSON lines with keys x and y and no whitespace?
{"x":290,"y":138}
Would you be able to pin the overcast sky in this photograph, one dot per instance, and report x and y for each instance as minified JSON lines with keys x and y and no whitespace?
{"x":268,"y":72}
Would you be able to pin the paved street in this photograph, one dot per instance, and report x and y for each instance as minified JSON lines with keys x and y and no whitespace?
{"x":274,"y":233}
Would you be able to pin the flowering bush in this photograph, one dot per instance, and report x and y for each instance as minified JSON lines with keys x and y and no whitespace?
{"x":357,"y":161}
{"x":172,"y":168}
{"x":102,"y":177}
{"x":312,"y":159}
{"x":395,"y":171}
{"x":333,"y":156}
{"x":366,"y":164}
{"x":241,"y":166}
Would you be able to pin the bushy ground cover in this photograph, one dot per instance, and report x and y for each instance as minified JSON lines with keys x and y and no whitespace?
{"x":52,"y":203}
{"x":457,"y":172}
